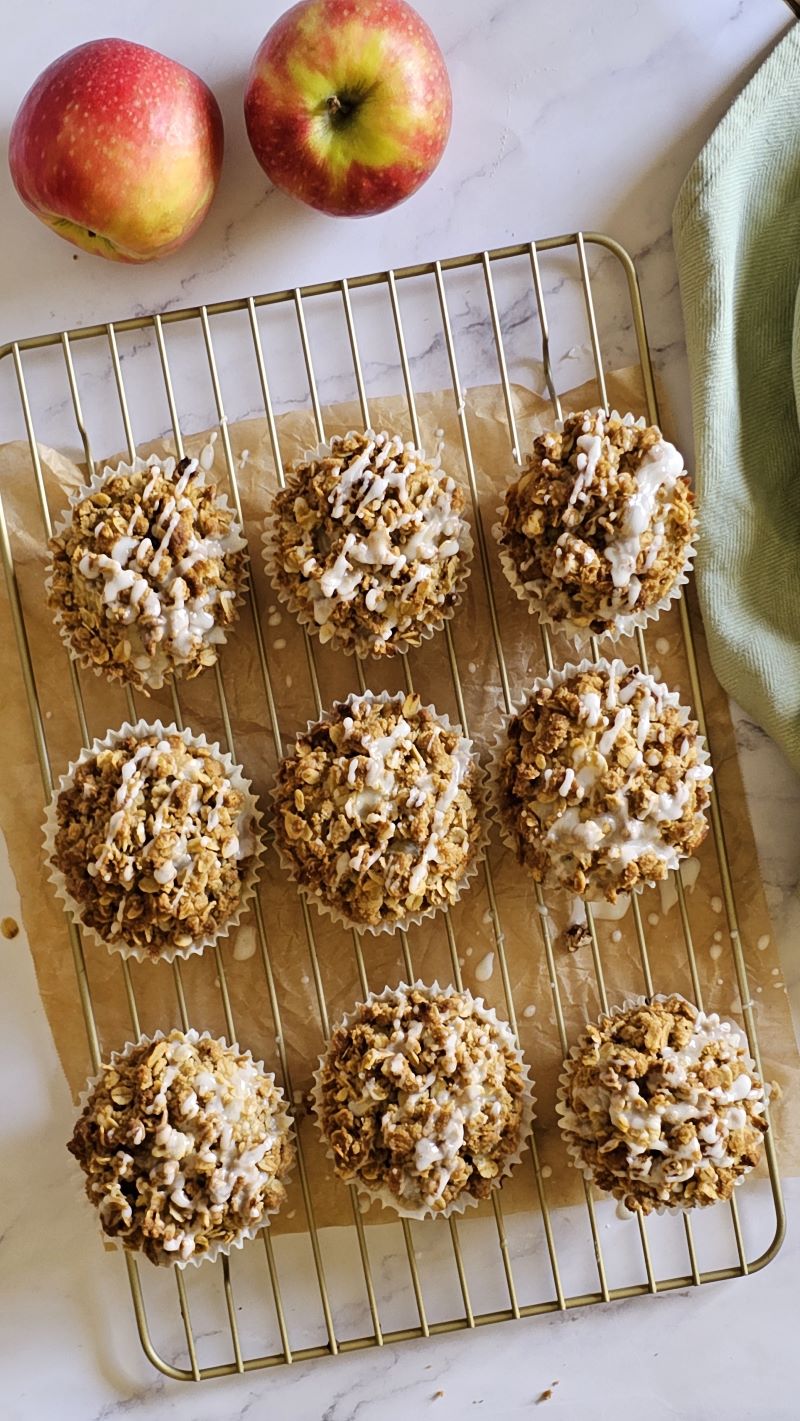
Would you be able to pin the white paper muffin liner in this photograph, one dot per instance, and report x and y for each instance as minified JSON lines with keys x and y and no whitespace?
{"x":283,"y":1124}
{"x":396,"y":645}
{"x":464,"y":1200}
{"x":238,"y":782}
{"x":500,"y":744}
{"x":480,"y":797}
{"x":572,"y":1147}
{"x":623,"y":624}
{"x":154,"y":678}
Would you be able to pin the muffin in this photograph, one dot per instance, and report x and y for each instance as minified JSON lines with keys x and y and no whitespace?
{"x":185,"y":1145}
{"x":153,"y":841}
{"x":378,"y":811}
{"x":423,"y":1100}
{"x":597,"y":532}
{"x":367,"y":544}
{"x":146,"y":571}
{"x":602,"y":780}
{"x":660,"y":1105}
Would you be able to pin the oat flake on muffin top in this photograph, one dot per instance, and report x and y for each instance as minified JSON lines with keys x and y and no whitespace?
{"x":422,"y":1098}
{"x":661,"y":1104}
{"x":603,"y":781}
{"x":145,"y":576}
{"x":153,"y":841}
{"x":367,"y":543}
{"x":185,"y":1146}
{"x":377,"y":810}
{"x":596,"y":531}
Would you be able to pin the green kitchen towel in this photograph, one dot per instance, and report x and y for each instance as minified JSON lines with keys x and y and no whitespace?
{"x":737,"y":238}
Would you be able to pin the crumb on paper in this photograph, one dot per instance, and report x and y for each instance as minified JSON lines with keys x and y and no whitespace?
{"x":437,"y":1394}
{"x":9,"y":927}
{"x":576,"y":937}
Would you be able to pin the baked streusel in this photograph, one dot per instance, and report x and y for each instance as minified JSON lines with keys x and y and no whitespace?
{"x":378,"y":810}
{"x":597,"y":529}
{"x":185,"y":1146}
{"x":603,"y":781}
{"x":145,"y":577}
{"x":367,"y":543}
{"x":662,"y":1106}
{"x":153,"y":841}
{"x":422,"y":1097}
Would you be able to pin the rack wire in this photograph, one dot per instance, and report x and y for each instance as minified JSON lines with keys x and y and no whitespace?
{"x":555,"y":1294}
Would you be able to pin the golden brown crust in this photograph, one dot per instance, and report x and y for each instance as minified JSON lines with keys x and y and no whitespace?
{"x":425,"y":1066}
{"x":603,"y":784}
{"x":167,"y":524}
{"x":378,"y":810}
{"x":370,"y":560}
{"x":556,"y":527}
{"x":184,"y":1144}
{"x":663,"y":1106}
{"x":156,"y":860}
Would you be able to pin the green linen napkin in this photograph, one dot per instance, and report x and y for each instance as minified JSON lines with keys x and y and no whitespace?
{"x":736,"y":227}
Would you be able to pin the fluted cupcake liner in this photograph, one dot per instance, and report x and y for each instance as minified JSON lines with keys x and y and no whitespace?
{"x":154,"y":678}
{"x":480,"y":797}
{"x":464,"y":1200}
{"x":283,"y":1124}
{"x":500,"y":744}
{"x":564,"y":1110}
{"x":250,"y":877}
{"x":396,"y":645}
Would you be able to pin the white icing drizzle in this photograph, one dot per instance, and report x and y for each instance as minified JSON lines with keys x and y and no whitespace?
{"x":659,"y":469}
{"x":216,"y":1127}
{"x":456,"y":1091}
{"x":127,"y":853}
{"x":139,"y":588}
{"x":651,"y":1154}
{"x":385,"y":800}
{"x":623,"y":836}
{"x":374,"y":563}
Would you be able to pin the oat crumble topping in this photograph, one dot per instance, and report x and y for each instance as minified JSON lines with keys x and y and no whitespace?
{"x":662,"y":1103}
{"x":154,"y":842}
{"x":422,"y":1098}
{"x":378,"y":810}
{"x":184,"y":1143}
{"x":598,"y":526}
{"x":602,"y":784}
{"x":145,"y":578}
{"x":368,"y":542}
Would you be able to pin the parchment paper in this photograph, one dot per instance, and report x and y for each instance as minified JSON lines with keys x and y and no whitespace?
{"x":21,"y":811}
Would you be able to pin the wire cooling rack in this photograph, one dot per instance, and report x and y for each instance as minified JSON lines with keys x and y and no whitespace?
{"x":331,"y":1290}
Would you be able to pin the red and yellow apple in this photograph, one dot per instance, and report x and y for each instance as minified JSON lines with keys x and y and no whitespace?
{"x":348,"y":104}
{"x":118,"y":149}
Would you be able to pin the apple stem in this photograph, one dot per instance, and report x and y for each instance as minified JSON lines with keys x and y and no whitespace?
{"x":334,"y":105}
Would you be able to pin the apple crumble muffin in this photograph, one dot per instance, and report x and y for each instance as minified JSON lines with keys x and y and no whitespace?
{"x":660,"y":1105}
{"x":378,"y":811}
{"x":598,"y":529}
{"x":152,"y":836}
{"x":603,"y":780}
{"x":185,"y":1145}
{"x":423,"y":1099}
{"x":367,"y":543}
{"x":146,"y":571}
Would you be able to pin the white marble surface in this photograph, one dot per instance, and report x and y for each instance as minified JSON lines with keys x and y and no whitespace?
{"x":565,"y":115}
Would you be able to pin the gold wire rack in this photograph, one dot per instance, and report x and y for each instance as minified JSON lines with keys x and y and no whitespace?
{"x":556,"y":1296}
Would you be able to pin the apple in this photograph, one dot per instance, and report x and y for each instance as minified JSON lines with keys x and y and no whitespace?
{"x":118,"y":149}
{"x":348,"y":104}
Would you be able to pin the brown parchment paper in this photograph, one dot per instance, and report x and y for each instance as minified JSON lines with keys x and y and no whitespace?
{"x":295,"y":974}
